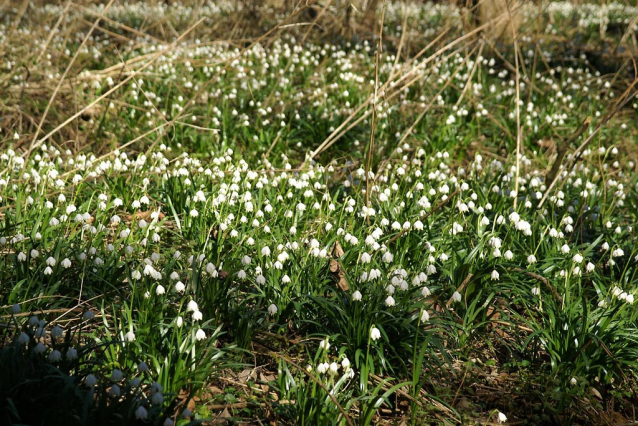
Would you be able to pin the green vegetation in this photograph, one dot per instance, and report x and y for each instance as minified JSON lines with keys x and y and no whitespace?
{"x":207,"y":217}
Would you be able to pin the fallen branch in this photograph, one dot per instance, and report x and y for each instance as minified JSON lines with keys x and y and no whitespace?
{"x":562,"y":150}
{"x":544,"y":280}
{"x":460,"y":289}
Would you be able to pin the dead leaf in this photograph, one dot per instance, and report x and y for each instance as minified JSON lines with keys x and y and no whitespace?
{"x":138,"y":215}
{"x":546,"y":143}
{"x":463,"y":404}
{"x":267,"y":378}
{"x":336,"y":270}
{"x":246,"y":375}
{"x":597,"y":394}
{"x":92,"y":112}
{"x":337,"y":250}
{"x":215,"y":390}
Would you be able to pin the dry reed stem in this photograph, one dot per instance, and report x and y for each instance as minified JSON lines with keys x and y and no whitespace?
{"x":32,"y":145}
{"x":391,"y":80}
{"x":374,"y":111}
{"x":518,"y":108}
{"x":408,"y":132}
{"x":113,"y":89}
{"x":624,"y":99}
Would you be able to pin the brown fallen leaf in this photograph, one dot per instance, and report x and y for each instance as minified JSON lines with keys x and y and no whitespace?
{"x":546,"y":143}
{"x":595,"y":392}
{"x":222,"y":417}
{"x":248,"y":374}
{"x":267,"y":378}
{"x":142,"y":215}
{"x":92,"y":112}
{"x":336,"y":270}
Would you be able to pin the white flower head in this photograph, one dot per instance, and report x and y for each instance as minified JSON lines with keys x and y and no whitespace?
{"x":375,"y":334}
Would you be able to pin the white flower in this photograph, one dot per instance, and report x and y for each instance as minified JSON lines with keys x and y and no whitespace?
{"x":56,"y":331}
{"x":617,"y":252}
{"x":375,"y":334}
{"x":272,"y":309}
{"x":536,"y":291}
{"x":114,"y":391}
{"x":345,"y":363}
{"x":578,"y":258}
{"x":356,"y":296}
{"x":180,"y":287}
{"x":34,"y":253}
{"x":157,"y":398}
{"x":23,"y":338}
{"x":387,"y":257}
{"x":71,"y":354}
{"x":192,"y":306}
{"x":159,"y":290}
{"x":129,"y":337}
{"x":141,"y":413}
{"x":116,"y":375}
{"x":389,"y":301}
{"x":425,"y":316}
{"x":366,"y":258}
{"x":198,"y":316}
{"x":502,"y":418}
{"x":629,"y":299}
{"x":531,"y":259}
{"x":334,"y":368}
{"x":565,"y":249}
{"x":456,"y":297}
{"x":265,"y":251}
{"x":508,"y":255}
{"x":573,"y":381}
{"x":200,"y":335}
{"x":90,"y":380}
{"x":324,"y":344}
{"x":66,"y":263}
{"x":55,"y":356}
{"x":494,"y":275}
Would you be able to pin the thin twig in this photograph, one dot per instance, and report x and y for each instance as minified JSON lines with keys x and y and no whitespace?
{"x":459,"y":290}
{"x":544,"y":280}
